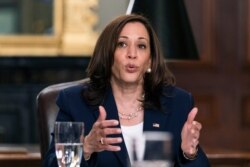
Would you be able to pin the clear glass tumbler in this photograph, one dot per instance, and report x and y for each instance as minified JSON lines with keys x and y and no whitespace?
{"x":69,"y":143}
{"x":157,"y":150}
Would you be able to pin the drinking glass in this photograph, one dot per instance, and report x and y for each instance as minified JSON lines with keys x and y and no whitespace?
{"x":68,"y":143}
{"x":157,"y":150}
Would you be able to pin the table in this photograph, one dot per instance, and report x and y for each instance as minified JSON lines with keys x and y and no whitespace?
{"x":228,"y":158}
{"x":20,"y":156}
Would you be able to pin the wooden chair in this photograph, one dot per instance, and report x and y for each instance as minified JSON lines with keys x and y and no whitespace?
{"x":47,"y":111}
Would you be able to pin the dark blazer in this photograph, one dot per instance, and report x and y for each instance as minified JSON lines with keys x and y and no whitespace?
{"x":176,"y":104}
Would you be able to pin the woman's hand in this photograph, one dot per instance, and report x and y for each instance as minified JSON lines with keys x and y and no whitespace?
{"x":190,"y":135}
{"x":97,"y":140}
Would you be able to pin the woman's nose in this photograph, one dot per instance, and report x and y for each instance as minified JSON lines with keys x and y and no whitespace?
{"x":132,"y":52}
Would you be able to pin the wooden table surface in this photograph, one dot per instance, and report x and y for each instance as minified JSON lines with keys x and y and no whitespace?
{"x":29,"y":156}
{"x":20,"y":156}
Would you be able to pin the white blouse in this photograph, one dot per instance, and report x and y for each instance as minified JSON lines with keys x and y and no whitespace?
{"x":134,"y":141}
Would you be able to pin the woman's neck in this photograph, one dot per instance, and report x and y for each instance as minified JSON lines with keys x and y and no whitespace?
{"x":129,"y":103}
{"x":127,"y":93}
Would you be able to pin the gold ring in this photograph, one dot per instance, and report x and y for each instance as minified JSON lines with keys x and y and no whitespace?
{"x":101,"y":140}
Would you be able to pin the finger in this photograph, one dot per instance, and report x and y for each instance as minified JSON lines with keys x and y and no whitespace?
{"x":102,"y":114}
{"x":192,"y":115}
{"x":105,"y":124}
{"x":195,"y":142}
{"x":192,"y":151}
{"x":196,"y":135}
{"x":107,"y":144}
{"x":110,"y":131}
{"x":195,"y":132}
{"x":112,"y":148}
{"x":108,"y":140}
{"x":197,"y":125}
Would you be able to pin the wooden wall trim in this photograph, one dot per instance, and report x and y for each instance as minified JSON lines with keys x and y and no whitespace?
{"x":208,"y":48}
{"x":207,"y":106}
{"x":246,"y":111}
{"x":207,"y":36}
{"x":247,"y":32}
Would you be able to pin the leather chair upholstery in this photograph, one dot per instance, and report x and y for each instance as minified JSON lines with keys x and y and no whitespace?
{"x":47,"y":111}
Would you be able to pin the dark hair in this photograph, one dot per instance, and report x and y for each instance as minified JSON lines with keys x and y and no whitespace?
{"x":99,"y":68}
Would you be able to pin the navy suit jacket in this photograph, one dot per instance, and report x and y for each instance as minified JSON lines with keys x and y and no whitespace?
{"x":176,"y":103}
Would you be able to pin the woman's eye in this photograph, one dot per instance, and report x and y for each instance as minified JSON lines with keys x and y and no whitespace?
{"x":121,"y":44}
{"x":142,"y":46}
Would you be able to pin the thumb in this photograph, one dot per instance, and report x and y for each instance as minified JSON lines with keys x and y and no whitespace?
{"x":102,"y":114}
{"x":192,"y":115}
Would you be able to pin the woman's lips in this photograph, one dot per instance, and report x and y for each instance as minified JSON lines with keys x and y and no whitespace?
{"x":131,"y":68}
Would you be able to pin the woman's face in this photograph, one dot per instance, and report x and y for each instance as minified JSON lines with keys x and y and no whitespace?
{"x":132,"y":54}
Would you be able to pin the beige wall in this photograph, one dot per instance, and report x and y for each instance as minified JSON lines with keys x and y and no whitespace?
{"x":108,"y":9}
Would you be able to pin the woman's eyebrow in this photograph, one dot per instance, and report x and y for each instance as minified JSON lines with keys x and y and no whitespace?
{"x":140,"y":38}
{"x":143,"y":38}
{"x":123,"y":37}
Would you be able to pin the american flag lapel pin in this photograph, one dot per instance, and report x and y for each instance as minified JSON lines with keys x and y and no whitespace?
{"x":156,"y":125}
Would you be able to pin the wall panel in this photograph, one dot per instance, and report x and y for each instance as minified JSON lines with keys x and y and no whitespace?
{"x":219,"y":82}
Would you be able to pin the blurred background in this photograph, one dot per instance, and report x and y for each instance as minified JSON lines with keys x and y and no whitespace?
{"x":206,"y":45}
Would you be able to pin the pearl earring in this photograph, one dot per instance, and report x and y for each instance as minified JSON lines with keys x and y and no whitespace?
{"x":149,"y":70}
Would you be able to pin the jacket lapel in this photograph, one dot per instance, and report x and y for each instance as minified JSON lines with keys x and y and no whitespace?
{"x":112,"y":113}
{"x":155,"y":120}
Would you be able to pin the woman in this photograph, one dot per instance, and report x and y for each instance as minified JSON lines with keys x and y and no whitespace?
{"x":130,"y":87}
